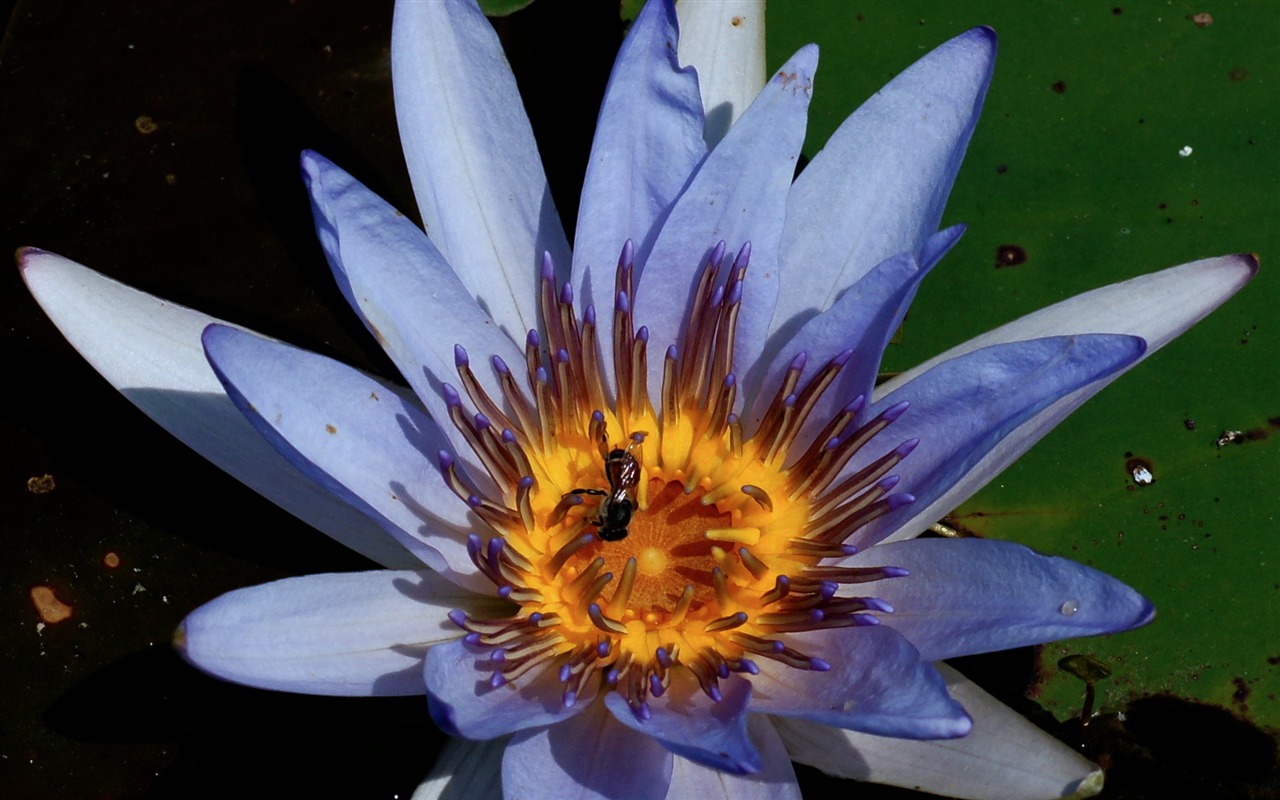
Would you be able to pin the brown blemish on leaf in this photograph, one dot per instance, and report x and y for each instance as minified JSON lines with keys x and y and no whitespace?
{"x":1059,"y":86}
{"x":1010,"y":255}
{"x":111,"y":560}
{"x":48,"y":606}
{"x":736,"y":21}
{"x":145,"y":125}
{"x":41,"y":484}
{"x":1201,"y":20}
{"x":330,"y":429}
{"x":1139,"y":471}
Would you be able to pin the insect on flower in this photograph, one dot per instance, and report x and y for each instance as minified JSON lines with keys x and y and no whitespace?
{"x":622,"y":470}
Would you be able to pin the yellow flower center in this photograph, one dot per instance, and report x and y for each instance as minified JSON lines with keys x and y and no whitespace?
{"x":634,"y":540}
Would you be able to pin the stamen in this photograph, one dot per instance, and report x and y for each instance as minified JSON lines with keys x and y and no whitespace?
{"x":544,"y":400}
{"x":622,"y":595}
{"x":848,"y":575}
{"x":781,"y":588}
{"x":847,"y":447}
{"x":524,"y":488}
{"x":515,"y":399}
{"x":722,"y":588}
{"x":576,"y":590}
{"x":843,"y":521}
{"x":564,"y":553}
{"x":639,"y":400}
{"x":670,"y":392}
{"x":757,"y":567}
{"x":759,"y":495}
{"x":592,"y":373}
{"x":474,"y":390}
{"x":734,"y":535}
{"x":682,"y":606}
{"x":726,"y":623}
{"x":863,"y":478}
{"x":604,"y":623}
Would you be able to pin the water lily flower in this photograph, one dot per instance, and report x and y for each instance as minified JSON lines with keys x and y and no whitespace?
{"x":647,"y":520}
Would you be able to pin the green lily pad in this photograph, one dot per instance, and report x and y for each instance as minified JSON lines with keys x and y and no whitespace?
{"x":1115,"y":141}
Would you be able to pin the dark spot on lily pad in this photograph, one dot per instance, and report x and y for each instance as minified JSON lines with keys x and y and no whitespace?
{"x":1010,"y":255}
{"x":1139,"y":471}
{"x":1059,"y":86}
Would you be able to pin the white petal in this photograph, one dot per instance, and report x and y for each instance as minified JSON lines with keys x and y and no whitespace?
{"x":724,"y":41}
{"x":356,"y":634}
{"x":475,"y":167}
{"x":150,"y":350}
{"x":465,"y":770}
{"x":1004,"y":757}
{"x":1156,"y":307}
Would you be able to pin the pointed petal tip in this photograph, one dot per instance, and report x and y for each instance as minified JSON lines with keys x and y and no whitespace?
{"x":1251,"y":262}
{"x":24,"y":256}
{"x":312,"y":164}
{"x":211,"y":338}
{"x":1088,"y":786}
{"x":1145,"y":614}
{"x":980,"y":38}
{"x":804,"y":61}
{"x":985,"y":32}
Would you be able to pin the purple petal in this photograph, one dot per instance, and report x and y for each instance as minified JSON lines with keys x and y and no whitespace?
{"x":967,"y":596}
{"x":1156,"y":307}
{"x":775,"y":781}
{"x":360,"y":633}
{"x":648,"y":142}
{"x":463,"y":703}
{"x":588,"y":757}
{"x":407,"y":295}
{"x":149,"y":349}
{"x":1004,"y":756}
{"x":474,"y":165}
{"x":963,"y":408}
{"x":364,"y":440}
{"x":892,"y":165}
{"x":863,"y":320}
{"x":877,"y":683}
{"x":738,"y":195}
{"x":688,"y":723}
{"x":724,"y":41}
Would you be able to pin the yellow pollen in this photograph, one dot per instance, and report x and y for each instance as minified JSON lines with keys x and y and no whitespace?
{"x":651,"y":561}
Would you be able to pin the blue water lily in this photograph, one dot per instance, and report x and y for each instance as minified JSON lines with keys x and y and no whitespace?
{"x":647,"y":518}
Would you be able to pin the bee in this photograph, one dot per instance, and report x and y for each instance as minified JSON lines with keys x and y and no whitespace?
{"x":622,"y":470}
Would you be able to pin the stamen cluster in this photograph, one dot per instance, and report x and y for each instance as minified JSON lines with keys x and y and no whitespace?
{"x":734,"y":542}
